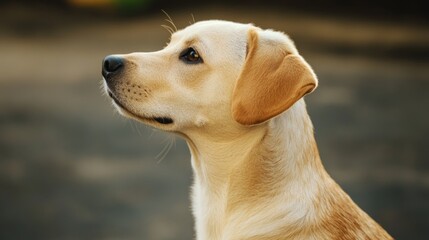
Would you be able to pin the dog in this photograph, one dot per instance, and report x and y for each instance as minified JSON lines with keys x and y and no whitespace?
{"x":235,"y":93}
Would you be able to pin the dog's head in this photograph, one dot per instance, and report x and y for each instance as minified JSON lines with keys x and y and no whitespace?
{"x":215,"y":74}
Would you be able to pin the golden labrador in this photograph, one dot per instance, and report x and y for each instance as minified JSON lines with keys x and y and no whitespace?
{"x":235,"y":93}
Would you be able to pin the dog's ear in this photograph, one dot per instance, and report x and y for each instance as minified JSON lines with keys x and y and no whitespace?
{"x":271,"y":81}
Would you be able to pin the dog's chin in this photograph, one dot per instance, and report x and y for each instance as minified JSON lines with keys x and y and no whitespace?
{"x":156,"y":120}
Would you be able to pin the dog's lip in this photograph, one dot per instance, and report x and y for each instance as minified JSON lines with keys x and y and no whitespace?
{"x":115,"y":99}
{"x":160,"y":120}
{"x":163,"y":120}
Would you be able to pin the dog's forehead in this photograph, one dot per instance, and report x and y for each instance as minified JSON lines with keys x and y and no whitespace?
{"x":217,"y":24}
{"x":213,"y":29}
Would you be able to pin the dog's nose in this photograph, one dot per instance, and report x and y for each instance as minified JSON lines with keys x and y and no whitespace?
{"x":111,"y":64}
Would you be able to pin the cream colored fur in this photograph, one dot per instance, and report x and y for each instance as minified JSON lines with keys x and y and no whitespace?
{"x":257,"y":171}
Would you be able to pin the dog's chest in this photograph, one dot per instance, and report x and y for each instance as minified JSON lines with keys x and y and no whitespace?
{"x":209,"y":210}
{"x":217,"y":218}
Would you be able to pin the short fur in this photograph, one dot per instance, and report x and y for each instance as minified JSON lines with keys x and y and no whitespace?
{"x":257,"y":170}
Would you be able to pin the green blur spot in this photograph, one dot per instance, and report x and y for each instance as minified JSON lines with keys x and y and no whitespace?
{"x":131,"y":6}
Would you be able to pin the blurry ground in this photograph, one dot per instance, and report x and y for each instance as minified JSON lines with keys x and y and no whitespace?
{"x":70,"y":168}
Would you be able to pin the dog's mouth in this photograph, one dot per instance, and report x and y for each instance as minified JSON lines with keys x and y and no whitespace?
{"x":161,"y":120}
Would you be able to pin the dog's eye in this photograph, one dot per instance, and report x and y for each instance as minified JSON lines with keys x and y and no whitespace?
{"x":191,"y":56}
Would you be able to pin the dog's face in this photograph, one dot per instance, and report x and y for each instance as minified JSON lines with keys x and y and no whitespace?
{"x":212,"y":74}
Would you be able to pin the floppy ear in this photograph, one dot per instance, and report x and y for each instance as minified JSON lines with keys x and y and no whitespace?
{"x":271,"y":81}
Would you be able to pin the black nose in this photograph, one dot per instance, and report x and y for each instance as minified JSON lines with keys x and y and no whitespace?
{"x":111,"y":64}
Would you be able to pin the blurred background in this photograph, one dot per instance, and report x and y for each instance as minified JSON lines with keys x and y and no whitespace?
{"x":72,"y":168}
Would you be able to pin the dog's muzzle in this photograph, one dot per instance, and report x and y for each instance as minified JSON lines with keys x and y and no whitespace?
{"x":112,"y":66}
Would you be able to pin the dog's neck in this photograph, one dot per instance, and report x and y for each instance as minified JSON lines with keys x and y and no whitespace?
{"x":270,"y":159}
{"x":288,"y":139}
{"x":213,"y":158}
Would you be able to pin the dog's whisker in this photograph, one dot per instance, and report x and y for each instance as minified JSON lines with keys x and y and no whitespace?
{"x":175,"y":141}
{"x":165,"y":150}
{"x":170,"y":20}
{"x":168,"y":28}
{"x":151,"y":134}
{"x":172,"y":24}
{"x":193,"y":18}
{"x":136,"y":127}
{"x":130,"y":122}
{"x":102,"y":91}
{"x":192,"y":21}
{"x":102,"y":87}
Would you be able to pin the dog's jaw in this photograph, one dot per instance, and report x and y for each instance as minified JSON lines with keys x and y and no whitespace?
{"x":164,"y":123}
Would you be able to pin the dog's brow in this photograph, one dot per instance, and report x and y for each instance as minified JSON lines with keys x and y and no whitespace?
{"x":191,"y":41}
{"x":196,"y":42}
